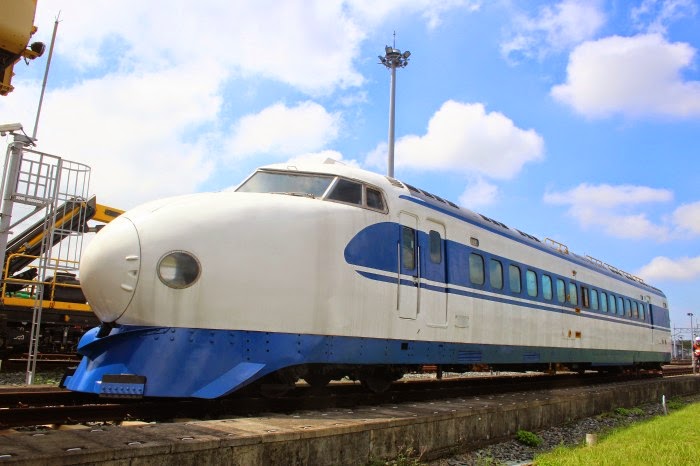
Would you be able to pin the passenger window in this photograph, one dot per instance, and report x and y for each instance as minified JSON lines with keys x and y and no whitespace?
{"x":531,"y":282}
{"x":408,"y":247}
{"x":496,"y":274}
{"x":620,"y":306}
{"x":561,"y":290}
{"x":603,"y":301}
{"x":573,"y":294}
{"x":547,"y":287}
{"x":612,"y":304}
{"x":628,"y":308}
{"x":584,"y":297}
{"x":435,"y":247}
{"x":375,"y":200}
{"x":594,"y":300}
{"x":514,"y":279}
{"x":476,"y":269}
{"x":347,"y":191}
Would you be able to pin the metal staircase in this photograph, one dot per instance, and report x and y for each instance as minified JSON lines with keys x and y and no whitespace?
{"x":52,"y":188}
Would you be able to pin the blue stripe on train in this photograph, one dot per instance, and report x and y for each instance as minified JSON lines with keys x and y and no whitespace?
{"x":375,"y":247}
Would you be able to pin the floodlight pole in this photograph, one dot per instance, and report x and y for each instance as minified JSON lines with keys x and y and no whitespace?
{"x":393,"y":59}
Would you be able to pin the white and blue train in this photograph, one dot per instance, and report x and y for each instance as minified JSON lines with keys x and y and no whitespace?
{"x":328,"y":271}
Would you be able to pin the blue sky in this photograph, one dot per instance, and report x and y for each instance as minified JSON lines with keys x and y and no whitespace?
{"x":573,"y":120}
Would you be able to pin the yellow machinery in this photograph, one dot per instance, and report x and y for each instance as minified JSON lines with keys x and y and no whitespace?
{"x":16,"y":29}
{"x":66,"y":313}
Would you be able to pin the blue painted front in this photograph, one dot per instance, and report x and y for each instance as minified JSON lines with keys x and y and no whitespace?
{"x":211,"y":363}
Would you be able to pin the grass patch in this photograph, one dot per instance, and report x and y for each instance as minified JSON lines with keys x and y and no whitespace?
{"x":664,"y":440}
{"x":625,"y":412}
{"x":528,"y":438}
{"x":675,"y":403}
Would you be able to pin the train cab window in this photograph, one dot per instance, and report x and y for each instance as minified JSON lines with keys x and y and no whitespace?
{"x":613,"y":308}
{"x":573,"y":294}
{"x":476,"y":269}
{"x":603,"y":301}
{"x":309,"y":184}
{"x":347,"y":191}
{"x":594,"y":300}
{"x":620,"y":307}
{"x":435,"y":247}
{"x":642,"y":310}
{"x":547,"y":287}
{"x":514,"y":279}
{"x":635,"y":310}
{"x":561,"y":290}
{"x":628,"y":308}
{"x":531,"y":282}
{"x":374,"y":198}
{"x":496,"y":274}
{"x":585,"y":297}
{"x":408,"y":247}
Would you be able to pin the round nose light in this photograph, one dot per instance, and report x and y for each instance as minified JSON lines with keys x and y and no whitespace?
{"x":178,"y":269}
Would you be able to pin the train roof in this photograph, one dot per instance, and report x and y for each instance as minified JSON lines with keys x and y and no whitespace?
{"x":448,"y":207}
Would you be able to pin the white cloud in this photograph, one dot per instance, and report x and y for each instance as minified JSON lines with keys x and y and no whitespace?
{"x":632,"y":76}
{"x":463,"y":137}
{"x":128,"y":128}
{"x":373,"y":12}
{"x":605,"y":196}
{"x":284,"y":131}
{"x":687,"y":218}
{"x":612,"y":209}
{"x":664,"y":268}
{"x":479,"y":193}
{"x":265,"y":38}
{"x":654,"y":16}
{"x":556,"y":27}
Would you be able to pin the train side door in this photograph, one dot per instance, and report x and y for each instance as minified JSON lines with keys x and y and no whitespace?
{"x":408,"y":280}
{"x":433,"y":276}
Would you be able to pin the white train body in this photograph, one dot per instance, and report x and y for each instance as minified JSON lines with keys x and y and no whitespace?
{"x":346,"y":273}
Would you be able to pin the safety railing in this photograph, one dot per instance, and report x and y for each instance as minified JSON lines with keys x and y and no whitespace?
{"x":60,"y":285}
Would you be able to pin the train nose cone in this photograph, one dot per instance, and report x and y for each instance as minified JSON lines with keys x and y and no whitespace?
{"x":109,"y":269}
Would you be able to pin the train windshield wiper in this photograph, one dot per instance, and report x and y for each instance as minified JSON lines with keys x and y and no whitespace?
{"x":300,"y":194}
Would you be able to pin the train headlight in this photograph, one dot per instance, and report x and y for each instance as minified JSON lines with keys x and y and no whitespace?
{"x":178,"y":269}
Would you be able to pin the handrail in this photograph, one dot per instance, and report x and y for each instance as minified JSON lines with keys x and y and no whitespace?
{"x":59,"y":266}
{"x":561,"y":247}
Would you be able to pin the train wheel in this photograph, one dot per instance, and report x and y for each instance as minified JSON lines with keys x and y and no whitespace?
{"x":376,"y":383}
{"x":317,"y":380}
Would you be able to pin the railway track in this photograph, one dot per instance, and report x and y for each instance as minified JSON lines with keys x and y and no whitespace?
{"x":44,"y":361}
{"x":52,"y":406}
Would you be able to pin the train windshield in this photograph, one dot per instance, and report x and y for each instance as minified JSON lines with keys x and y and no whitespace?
{"x":303,"y":184}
